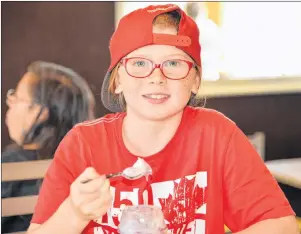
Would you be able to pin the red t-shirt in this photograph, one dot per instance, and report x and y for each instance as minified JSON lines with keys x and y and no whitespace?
{"x":208,"y":175}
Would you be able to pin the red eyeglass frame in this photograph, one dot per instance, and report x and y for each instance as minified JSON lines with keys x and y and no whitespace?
{"x":155,"y":65}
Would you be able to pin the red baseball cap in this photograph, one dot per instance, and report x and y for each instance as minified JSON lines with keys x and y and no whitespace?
{"x":135,"y":30}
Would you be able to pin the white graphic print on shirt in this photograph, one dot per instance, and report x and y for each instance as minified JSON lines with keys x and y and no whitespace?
{"x":182,"y":202}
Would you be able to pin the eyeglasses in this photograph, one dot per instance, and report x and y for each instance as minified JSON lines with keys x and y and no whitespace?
{"x":174,"y":69}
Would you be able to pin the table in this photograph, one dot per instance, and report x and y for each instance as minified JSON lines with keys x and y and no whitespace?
{"x":286,"y":171}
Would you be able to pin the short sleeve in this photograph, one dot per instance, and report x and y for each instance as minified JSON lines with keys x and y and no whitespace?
{"x":251,"y":194}
{"x":68,"y":163}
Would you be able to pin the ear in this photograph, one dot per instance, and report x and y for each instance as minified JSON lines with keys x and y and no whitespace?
{"x":118,"y":85}
{"x":196,"y":83}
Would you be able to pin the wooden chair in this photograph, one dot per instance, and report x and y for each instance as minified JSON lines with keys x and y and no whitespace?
{"x":18,"y":171}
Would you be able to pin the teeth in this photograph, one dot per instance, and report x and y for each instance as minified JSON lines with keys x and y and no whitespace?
{"x":156,"y":96}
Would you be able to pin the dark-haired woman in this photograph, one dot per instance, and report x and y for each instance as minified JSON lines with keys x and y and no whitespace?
{"x":47,"y":102}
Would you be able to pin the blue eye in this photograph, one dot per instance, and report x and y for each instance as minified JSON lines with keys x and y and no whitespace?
{"x":139,"y":63}
{"x":172,"y":63}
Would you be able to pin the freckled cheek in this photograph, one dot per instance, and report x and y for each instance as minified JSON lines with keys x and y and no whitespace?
{"x":133,"y":88}
{"x":182,"y":88}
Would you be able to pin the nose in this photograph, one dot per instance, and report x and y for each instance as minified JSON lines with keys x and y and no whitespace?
{"x":157,"y":77}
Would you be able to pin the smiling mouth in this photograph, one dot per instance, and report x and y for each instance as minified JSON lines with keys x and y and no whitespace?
{"x":156,"y":96}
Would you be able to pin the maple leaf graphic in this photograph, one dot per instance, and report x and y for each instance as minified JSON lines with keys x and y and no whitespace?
{"x":187,"y":199}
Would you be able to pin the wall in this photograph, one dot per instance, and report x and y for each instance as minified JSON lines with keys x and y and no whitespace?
{"x":279,"y":116}
{"x":74,"y":34}
{"x":77,"y":35}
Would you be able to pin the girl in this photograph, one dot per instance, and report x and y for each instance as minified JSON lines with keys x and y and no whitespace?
{"x":205,"y":171}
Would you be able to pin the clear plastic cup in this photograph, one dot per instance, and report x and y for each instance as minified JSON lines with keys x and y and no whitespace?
{"x":142,"y":219}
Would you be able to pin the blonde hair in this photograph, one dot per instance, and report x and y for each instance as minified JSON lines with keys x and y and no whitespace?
{"x":165,"y":20}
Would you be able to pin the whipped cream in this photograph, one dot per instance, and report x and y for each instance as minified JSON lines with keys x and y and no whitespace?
{"x":139,"y":168}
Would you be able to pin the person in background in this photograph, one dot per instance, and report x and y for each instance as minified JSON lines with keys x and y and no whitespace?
{"x":205,"y":172}
{"x":48,"y":101}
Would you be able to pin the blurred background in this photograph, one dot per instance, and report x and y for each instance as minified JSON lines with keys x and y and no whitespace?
{"x":251,"y":55}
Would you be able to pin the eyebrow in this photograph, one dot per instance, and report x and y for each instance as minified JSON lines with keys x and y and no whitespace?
{"x":170,"y":56}
{"x":181,"y":55}
{"x":138,"y":56}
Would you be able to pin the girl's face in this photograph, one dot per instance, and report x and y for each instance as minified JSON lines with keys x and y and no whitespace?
{"x":155,"y":97}
{"x":22,"y":111}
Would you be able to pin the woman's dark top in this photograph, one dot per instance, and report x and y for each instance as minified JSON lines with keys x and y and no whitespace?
{"x":18,"y":188}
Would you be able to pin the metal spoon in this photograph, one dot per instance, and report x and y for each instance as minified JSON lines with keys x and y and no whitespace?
{"x":129,"y":173}
{"x":138,"y":170}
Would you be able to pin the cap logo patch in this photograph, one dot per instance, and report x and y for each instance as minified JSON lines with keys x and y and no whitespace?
{"x":175,"y":40}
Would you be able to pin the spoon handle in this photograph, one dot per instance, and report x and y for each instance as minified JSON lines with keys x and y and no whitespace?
{"x":108,"y":176}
